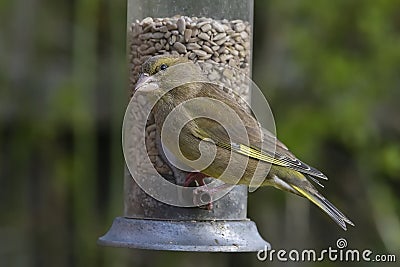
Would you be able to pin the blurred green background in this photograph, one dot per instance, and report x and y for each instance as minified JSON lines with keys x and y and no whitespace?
{"x":330,"y":69}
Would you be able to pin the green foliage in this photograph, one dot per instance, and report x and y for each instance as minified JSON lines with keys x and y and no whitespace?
{"x":343,"y":61}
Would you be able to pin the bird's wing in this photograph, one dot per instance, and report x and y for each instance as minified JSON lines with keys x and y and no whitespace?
{"x":286,"y":158}
{"x":281,"y":156}
{"x":261,"y":144}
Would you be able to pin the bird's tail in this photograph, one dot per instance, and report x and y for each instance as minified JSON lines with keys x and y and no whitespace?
{"x":325,"y":205}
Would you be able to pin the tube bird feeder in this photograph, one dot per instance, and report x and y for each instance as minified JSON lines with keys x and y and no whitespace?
{"x":208,"y":31}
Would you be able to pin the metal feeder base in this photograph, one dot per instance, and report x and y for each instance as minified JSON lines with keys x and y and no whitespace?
{"x":212,"y":236}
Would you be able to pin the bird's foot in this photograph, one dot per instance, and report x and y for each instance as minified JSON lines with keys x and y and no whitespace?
{"x":197,"y":177}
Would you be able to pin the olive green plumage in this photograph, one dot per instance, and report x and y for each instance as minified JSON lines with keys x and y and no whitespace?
{"x":274,"y":161}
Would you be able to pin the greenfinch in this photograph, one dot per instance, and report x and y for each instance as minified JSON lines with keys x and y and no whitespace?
{"x":264,"y":156}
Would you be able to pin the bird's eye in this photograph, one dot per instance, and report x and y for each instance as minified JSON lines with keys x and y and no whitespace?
{"x":163,"y":66}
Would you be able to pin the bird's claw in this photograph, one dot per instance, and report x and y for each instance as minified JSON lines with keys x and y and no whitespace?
{"x":197,"y":177}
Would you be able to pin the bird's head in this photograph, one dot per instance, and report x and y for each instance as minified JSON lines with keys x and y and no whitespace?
{"x":160,"y":63}
{"x":166,"y":72}
{"x":157,"y":70}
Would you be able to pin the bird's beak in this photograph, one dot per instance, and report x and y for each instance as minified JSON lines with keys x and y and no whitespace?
{"x":143,"y":79}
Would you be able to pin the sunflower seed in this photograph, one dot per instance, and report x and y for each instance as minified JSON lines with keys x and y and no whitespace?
{"x":187,"y":34}
{"x":206,"y":27}
{"x":180,"y":47}
{"x":217,"y":26}
{"x":200,"y":53}
{"x":157,"y":35}
{"x":204,"y":36}
{"x":239,"y":27}
{"x":181,"y":24}
{"x":192,"y":46}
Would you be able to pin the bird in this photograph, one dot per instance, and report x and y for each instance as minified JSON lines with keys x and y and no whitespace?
{"x":257,"y":152}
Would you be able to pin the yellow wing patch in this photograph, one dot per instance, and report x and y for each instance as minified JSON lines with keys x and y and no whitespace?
{"x":242,"y":149}
{"x":256,"y":154}
{"x":263,"y":155}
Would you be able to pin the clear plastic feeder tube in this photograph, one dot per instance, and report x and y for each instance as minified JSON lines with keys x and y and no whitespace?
{"x":217,"y":32}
